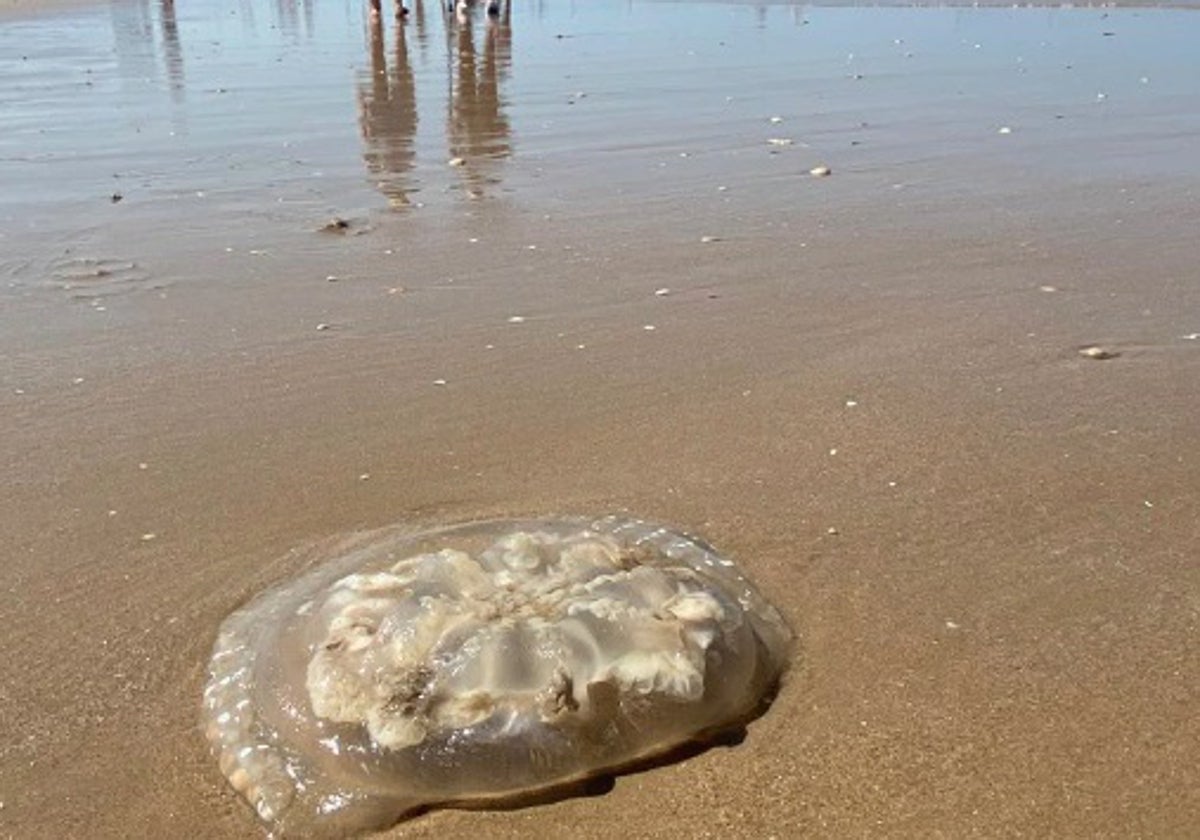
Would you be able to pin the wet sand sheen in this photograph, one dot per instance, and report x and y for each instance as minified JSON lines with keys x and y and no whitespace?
{"x":867,"y":390}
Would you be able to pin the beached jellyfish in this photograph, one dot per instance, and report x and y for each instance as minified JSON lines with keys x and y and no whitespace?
{"x":481,"y":663}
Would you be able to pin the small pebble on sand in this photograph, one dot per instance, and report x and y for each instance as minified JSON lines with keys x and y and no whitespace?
{"x":322,"y":327}
{"x":1004,"y":129}
{"x":820,"y":171}
{"x":455,"y":161}
{"x":148,"y":537}
{"x":663,"y":292}
{"x":1048,"y":289}
{"x":707,"y":239}
{"x":780,"y":141}
{"x":1098,"y":353}
{"x":516,"y":319}
{"x":649,"y":328}
{"x":439,"y":382}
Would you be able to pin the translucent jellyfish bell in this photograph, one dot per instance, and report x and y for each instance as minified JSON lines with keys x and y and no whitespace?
{"x":482,"y":663}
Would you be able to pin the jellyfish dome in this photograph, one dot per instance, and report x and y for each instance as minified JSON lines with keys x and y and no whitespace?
{"x":482,"y":663}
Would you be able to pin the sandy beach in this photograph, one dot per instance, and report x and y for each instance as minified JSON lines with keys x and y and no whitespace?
{"x":270,"y":275}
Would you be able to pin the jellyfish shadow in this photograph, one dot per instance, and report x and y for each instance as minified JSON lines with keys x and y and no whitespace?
{"x":727,"y":736}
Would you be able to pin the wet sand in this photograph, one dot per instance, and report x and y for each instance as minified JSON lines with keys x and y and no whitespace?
{"x":866,"y":388}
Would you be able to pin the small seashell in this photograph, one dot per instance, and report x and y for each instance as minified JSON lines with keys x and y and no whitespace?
{"x":780,"y":141}
{"x":820,"y":171}
{"x":1004,"y":129}
{"x":1098,"y":353}
{"x":457,"y":161}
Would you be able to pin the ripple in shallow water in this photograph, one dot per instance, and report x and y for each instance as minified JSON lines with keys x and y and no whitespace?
{"x":92,"y":277}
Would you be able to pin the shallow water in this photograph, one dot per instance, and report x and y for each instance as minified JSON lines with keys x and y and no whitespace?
{"x":141,"y":134}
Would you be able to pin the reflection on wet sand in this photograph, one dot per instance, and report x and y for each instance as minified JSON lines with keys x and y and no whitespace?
{"x":295,"y":17}
{"x":477,"y":129}
{"x":135,"y":44}
{"x":387,"y":104}
{"x":171,"y":47}
{"x":478,"y":136}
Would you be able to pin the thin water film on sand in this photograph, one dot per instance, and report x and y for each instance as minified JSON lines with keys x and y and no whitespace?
{"x":482,"y":663}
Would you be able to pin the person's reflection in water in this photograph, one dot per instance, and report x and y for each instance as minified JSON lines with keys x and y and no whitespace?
{"x":388,"y":116}
{"x":171,"y":47}
{"x":377,"y":9}
{"x":477,"y":130}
